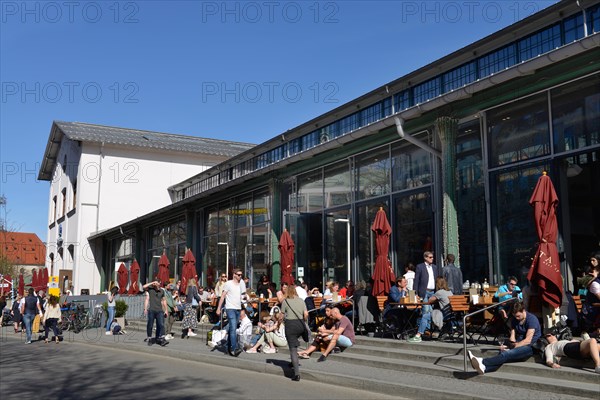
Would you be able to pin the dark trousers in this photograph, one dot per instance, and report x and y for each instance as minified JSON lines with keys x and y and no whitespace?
{"x":159,"y":316}
{"x":51,"y":323}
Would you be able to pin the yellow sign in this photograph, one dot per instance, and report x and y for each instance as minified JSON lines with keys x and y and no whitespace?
{"x":53,"y":287}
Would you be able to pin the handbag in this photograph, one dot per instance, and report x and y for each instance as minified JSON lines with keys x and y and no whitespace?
{"x":194,"y":301}
{"x":306,"y":334}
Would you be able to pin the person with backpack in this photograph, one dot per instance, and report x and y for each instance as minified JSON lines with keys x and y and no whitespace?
{"x":30,"y":307}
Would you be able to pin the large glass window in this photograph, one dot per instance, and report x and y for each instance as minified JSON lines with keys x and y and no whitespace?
{"x":413,"y":227}
{"x":593,"y":19}
{"x":169,"y":238}
{"x":514,"y":231}
{"x":338,"y":185}
{"x":427,"y":90}
{"x":310,"y":192}
{"x":411,"y":166}
{"x":576,"y":114}
{"x":373,"y":173}
{"x":573,"y":28}
{"x":519,"y":131}
{"x":402,"y":100}
{"x":471,"y":206}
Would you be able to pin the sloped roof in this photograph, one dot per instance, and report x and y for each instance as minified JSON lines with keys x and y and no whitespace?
{"x":23,"y":248}
{"x":91,"y":133}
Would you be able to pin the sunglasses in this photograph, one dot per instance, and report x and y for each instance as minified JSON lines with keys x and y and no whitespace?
{"x":238,"y":274}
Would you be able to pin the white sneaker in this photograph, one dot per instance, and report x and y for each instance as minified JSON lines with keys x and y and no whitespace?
{"x":585,"y":336}
{"x":169,"y":337}
{"x":597,"y":369}
{"x":192,"y":334}
{"x":108,"y":333}
{"x":269,"y":350}
{"x":477,"y":364}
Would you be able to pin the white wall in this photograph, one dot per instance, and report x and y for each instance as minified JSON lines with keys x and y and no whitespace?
{"x":115,"y":184}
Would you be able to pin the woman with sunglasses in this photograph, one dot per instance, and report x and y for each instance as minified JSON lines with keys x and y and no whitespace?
{"x":220,"y":285}
{"x":262,"y":289}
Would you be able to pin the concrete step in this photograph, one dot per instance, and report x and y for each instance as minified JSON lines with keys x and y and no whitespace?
{"x":445,"y":361}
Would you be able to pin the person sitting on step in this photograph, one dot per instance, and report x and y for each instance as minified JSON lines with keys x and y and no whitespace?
{"x":273,"y":334}
{"x":325,"y":333}
{"x":525,"y":331}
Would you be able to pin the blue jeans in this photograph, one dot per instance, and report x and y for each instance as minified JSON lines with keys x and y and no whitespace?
{"x":111,"y":316}
{"x":425,"y":314}
{"x":233,"y":316}
{"x":28,"y":320}
{"x":159,"y":316}
{"x":512,"y":355}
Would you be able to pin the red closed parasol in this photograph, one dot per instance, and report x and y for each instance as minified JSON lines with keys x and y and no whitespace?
{"x":44,"y":280}
{"x":163,"y":269}
{"x":286,"y":249}
{"x":34,"y":280}
{"x":383,"y":274}
{"x":122,"y":278}
{"x":545,"y":268}
{"x":21,"y":284}
{"x":134,"y":275}
{"x":189,"y":269}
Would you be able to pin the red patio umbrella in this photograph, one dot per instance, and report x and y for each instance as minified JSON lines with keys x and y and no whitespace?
{"x":44,"y":280}
{"x":163,"y":269}
{"x":34,"y":280}
{"x":383,"y":274}
{"x":545,"y":268}
{"x":286,"y":249}
{"x":134,"y":274}
{"x":122,"y":278}
{"x":21,"y":284}
{"x":188,"y":271}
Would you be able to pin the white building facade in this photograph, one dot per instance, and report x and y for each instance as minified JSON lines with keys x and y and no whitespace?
{"x":102,"y":176}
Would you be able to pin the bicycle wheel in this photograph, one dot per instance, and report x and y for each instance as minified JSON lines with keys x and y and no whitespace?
{"x":65,"y":324}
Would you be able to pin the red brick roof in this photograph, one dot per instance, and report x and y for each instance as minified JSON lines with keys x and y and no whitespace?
{"x":23,"y":248}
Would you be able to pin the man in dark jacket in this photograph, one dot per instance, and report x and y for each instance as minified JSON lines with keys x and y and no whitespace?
{"x":453,"y":275}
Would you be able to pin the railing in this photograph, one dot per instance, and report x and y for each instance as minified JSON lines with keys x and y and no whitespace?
{"x":475,"y":313}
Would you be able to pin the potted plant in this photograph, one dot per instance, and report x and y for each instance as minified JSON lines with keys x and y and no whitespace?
{"x":120,"y":310}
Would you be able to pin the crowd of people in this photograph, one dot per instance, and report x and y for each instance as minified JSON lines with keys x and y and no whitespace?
{"x":231,"y":303}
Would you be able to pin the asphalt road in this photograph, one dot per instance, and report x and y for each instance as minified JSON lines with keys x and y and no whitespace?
{"x":73,"y":370}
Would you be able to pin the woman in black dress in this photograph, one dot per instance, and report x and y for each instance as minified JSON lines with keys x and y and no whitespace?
{"x":16,"y":314}
{"x":263,"y":287}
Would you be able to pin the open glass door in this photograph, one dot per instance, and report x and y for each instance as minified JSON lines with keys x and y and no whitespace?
{"x":338,"y":256}
{"x":307,"y":234}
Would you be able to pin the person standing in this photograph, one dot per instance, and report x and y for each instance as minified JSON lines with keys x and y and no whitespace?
{"x":15,"y":311}
{"x":453,"y":275}
{"x":155,"y":307}
{"x":232,"y":294}
{"x":30,"y":307}
{"x":2,"y":305}
{"x":294,"y":309}
{"x":111,"y":307}
{"x":190,"y":321}
{"x":51,"y":317}
{"x":171,"y":310}
{"x":424,"y":285}
{"x":409,"y":274}
{"x":220,"y":285}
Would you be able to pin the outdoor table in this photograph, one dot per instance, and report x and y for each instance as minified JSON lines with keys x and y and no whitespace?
{"x":409,"y":312}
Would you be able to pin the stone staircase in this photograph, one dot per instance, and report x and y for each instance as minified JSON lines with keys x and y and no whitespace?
{"x":434,"y":370}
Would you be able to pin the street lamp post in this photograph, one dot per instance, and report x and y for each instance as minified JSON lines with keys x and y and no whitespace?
{"x":347,"y":221}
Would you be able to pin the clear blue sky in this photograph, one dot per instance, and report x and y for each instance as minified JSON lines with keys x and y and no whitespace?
{"x":244,"y":71}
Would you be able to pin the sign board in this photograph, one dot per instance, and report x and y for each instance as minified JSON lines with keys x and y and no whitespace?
{"x":53,"y":287}
{"x":300,"y":271}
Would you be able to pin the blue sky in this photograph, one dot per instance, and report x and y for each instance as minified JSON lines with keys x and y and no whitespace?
{"x":243,"y":71}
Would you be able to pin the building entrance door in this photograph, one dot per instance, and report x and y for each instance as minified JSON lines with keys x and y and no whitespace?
{"x":306,"y":230}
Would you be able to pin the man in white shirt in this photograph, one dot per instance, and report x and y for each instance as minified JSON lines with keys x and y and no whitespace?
{"x":232,"y":294}
{"x":300,"y":291}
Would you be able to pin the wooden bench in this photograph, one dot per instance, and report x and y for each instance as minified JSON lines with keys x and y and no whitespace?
{"x":578,"y":304}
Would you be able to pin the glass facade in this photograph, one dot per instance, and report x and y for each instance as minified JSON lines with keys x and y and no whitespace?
{"x":169,"y":238}
{"x":238,"y":235}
